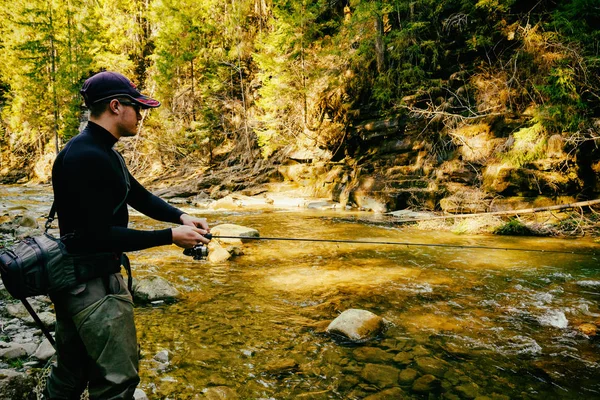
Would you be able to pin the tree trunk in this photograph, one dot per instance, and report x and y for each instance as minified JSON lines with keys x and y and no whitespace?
{"x":379,"y":47}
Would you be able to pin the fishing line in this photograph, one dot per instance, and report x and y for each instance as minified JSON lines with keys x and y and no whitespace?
{"x":407,"y":244}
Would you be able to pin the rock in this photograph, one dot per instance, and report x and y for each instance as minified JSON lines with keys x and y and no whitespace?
{"x":220,"y":393}
{"x":235,"y":251}
{"x":588,"y":329}
{"x":139,"y":394}
{"x":152,"y":288}
{"x":468,"y":390}
{"x":44,"y":351}
{"x":382,"y":376}
{"x":29,"y":347}
{"x":404,"y":357}
{"x":426,"y":384}
{"x":408,"y":376}
{"x":431,"y":365}
{"x":162,"y":356}
{"x":322,"y":205}
{"x":356,"y":325}
{"x":283,"y":366}
{"x":18,"y":310}
{"x":419,"y":351}
{"x":234,"y":230}
{"x":372,"y":355}
{"x":388,"y":394}
{"x":27,"y":221}
{"x":16,"y":385}
{"x":217,"y":253}
{"x":14,"y":350}
{"x":225,"y":203}
{"x":47,"y":318}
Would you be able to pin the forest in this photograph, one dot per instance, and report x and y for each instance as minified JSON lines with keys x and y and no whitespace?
{"x":420,"y":101}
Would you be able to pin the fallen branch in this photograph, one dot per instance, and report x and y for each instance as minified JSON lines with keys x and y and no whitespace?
{"x":508,"y":212}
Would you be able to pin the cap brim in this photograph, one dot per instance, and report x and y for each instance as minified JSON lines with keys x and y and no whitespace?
{"x":147,"y":102}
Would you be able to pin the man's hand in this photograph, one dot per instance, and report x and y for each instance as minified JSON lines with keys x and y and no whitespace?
{"x":186,"y":236}
{"x":194,"y":222}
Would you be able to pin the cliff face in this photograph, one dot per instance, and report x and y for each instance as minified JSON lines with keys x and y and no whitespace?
{"x":494,"y":164}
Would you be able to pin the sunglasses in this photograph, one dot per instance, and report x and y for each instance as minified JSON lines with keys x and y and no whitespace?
{"x":136,"y":106}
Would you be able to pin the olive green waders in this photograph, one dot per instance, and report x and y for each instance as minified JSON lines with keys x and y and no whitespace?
{"x":96,"y":342}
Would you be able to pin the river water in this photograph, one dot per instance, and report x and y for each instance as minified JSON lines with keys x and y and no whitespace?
{"x":496,"y":323}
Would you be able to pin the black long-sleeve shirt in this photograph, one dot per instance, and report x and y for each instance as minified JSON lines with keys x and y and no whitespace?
{"x":91,"y":197}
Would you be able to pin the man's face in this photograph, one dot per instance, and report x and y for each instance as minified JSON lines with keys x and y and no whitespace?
{"x":129,"y":117}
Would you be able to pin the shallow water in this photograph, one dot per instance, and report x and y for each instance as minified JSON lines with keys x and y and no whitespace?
{"x":495,"y":323}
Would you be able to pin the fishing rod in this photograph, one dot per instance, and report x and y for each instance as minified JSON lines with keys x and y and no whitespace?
{"x":200,"y":251}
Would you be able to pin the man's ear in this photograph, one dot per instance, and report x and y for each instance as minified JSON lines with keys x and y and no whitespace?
{"x":114,"y":106}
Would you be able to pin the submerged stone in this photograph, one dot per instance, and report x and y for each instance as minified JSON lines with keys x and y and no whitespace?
{"x":431,"y":365}
{"x":382,"y":376}
{"x":408,"y":376}
{"x":152,"y":288}
{"x":468,"y":390}
{"x":426,"y":383}
{"x":388,"y":394}
{"x":283,"y":366}
{"x":372,"y":355}
{"x":356,"y":325}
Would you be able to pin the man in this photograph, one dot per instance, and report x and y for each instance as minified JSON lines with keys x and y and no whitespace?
{"x":95,"y":332}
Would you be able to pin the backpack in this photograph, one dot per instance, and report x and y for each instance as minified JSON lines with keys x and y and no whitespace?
{"x":41,"y":265}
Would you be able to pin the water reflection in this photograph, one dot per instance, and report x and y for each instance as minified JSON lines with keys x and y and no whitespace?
{"x":494,"y":323}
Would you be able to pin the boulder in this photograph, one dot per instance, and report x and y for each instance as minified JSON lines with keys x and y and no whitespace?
{"x":234,"y":230}
{"x":217,"y":253}
{"x":153,"y":288}
{"x":44,"y":351}
{"x":356,"y":325}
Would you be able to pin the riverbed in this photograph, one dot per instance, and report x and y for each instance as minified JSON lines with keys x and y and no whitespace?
{"x":485,"y":321}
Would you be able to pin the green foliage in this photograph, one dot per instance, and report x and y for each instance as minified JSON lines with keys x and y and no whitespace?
{"x":513,"y":228}
{"x":251,"y":73}
{"x":529,"y":145}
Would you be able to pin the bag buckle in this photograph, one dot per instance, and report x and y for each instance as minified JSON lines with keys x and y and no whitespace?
{"x":48,"y":224}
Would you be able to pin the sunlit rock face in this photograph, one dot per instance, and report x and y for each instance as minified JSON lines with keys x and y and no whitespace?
{"x":356,"y":325}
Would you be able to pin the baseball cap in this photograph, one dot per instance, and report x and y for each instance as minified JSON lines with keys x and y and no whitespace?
{"x":108,"y":85}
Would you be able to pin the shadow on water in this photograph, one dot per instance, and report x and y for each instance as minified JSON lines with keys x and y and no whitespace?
{"x":462,"y":323}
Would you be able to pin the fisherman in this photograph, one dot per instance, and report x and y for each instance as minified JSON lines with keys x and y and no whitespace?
{"x":95,"y":333}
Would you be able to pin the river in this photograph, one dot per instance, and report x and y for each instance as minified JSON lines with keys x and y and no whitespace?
{"x":496,"y":323}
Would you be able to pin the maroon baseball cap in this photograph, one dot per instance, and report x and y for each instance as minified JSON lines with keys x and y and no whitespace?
{"x":108,"y":85}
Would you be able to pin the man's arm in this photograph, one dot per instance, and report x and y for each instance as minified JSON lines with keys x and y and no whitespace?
{"x":188,"y":235}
